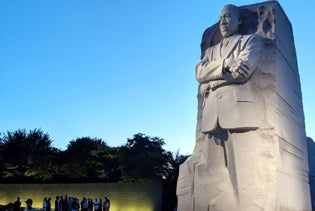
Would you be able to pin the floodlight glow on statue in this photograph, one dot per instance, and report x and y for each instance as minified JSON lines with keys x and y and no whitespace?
{"x":234,"y":165}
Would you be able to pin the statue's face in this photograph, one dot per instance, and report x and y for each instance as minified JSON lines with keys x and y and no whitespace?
{"x":229,"y":21}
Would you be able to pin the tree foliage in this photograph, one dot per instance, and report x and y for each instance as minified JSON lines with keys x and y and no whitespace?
{"x":88,"y":159}
{"x":144,"y":159}
{"x":28,"y":156}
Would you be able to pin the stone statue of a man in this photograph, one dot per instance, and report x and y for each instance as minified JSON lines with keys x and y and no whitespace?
{"x":228,"y":121}
{"x":224,"y":75}
{"x":251,"y":151}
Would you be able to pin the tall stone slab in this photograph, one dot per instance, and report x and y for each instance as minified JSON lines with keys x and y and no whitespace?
{"x":264,"y":167}
{"x":311,"y":175}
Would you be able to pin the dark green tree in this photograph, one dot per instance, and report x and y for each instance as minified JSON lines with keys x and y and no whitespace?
{"x":144,"y":160}
{"x":169,"y":191}
{"x":88,"y":160}
{"x":27,"y":156}
{"x":1,"y":158}
{"x":175,"y":162}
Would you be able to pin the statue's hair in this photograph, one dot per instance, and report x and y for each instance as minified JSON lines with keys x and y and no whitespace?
{"x":236,"y":9}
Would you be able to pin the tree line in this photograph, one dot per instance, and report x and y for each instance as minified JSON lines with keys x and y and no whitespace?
{"x":29,"y":157}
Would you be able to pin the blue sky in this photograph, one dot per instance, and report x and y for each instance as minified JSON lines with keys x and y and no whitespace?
{"x":113,"y":68}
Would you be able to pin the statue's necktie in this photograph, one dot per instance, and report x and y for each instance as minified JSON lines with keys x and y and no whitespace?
{"x":224,"y":44}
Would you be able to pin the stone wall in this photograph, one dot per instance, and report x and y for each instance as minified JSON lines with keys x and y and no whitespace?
{"x":131,"y":197}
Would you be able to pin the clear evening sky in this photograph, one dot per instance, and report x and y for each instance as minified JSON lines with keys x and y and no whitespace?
{"x":113,"y":68}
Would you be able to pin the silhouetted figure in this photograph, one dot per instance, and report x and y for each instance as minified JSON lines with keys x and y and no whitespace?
{"x":96,"y":205}
{"x":29,"y":203}
{"x":57,"y":203}
{"x":9,"y":207}
{"x":106,"y":204}
{"x":17,"y":204}
{"x":44,"y":204}
{"x":48,"y":208}
{"x":100,"y":205}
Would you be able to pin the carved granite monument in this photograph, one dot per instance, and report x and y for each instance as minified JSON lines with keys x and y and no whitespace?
{"x":251,"y":149}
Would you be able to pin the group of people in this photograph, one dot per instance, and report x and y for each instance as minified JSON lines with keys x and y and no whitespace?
{"x":16,"y":206}
{"x":73,"y":204}
{"x":63,"y":203}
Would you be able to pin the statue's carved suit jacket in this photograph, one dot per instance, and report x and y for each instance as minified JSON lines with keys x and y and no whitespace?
{"x":229,"y":103}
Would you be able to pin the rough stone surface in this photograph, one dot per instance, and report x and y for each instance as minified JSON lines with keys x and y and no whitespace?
{"x":251,"y":148}
{"x":311,"y":159}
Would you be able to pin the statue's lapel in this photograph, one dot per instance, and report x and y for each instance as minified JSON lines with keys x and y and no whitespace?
{"x":230,"y":46}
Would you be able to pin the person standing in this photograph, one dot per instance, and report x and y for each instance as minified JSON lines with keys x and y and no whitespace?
{"x":106,"y":204}
{"x":29,"y":203}
{"x":75,"y":205}
{"x":44,"y":204}
{"x":48,"y":207}
{"x":17,"y":204}
{"x":100,"y":203}
{"x":57,"y":203}
{"x":85,"y":204}
{"x":96,"y":205}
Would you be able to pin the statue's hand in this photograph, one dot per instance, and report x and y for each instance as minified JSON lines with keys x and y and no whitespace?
{"x":204,"y":89}
{"x":227,"y":64}
{"x":241,"y":72}
{"x":238,"y":69}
